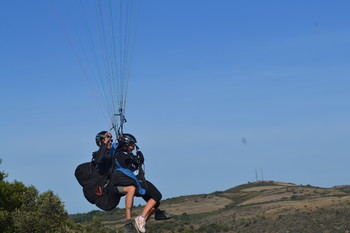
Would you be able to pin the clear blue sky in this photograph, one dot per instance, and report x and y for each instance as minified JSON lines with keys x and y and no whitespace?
{"x":218,"y":89}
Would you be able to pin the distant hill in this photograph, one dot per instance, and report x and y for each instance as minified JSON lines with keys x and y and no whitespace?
{"x":264,"y":206}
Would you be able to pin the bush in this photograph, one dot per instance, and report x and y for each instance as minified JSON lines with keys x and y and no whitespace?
{"x":22,"y":209}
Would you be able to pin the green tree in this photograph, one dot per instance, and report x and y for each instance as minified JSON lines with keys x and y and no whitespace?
{"x":96,"y":226}
{"x":52,"y":209}
{"x":3,"y":175}
{"x":16,"y":195}
{"x":23,"y":210}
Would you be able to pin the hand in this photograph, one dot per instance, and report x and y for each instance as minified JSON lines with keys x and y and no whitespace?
{"x":107,"y":138}
{"x":140,"y":157}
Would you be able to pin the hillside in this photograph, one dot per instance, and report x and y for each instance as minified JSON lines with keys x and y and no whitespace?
{"x":267,"y":206}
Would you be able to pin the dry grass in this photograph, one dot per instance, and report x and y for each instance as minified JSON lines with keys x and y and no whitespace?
{"x":290,"y":200}
{"x":197,"y":205}
{"x":261,"y":188}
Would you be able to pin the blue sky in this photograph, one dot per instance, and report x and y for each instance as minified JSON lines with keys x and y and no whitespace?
{"x":207,"y":76}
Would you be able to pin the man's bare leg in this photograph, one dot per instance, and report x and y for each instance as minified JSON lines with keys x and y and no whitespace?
{"x":148,"y":208}
{"x":149,"y":214}
{"x":129,"y":200}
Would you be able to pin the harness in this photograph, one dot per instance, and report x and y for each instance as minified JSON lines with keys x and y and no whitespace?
{"x":126,"y":171}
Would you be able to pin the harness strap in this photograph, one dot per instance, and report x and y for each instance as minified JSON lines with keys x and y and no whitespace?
{"x":129,"y":173}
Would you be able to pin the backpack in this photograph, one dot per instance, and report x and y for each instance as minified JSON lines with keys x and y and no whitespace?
{"x":97,"y":188}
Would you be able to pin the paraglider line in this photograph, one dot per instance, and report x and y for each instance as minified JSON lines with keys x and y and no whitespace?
{"x":63,"y":28}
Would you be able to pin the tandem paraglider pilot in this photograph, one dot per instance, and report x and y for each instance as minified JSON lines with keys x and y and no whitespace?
{"x":127,"y":160}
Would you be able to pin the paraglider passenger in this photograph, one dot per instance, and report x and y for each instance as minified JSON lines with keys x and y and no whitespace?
{"x":126,"y":159}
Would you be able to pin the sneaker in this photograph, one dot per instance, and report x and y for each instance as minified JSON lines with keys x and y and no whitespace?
{"x":140,"y":224}
{"x":129,"y":226}
{"x":162,"y":215}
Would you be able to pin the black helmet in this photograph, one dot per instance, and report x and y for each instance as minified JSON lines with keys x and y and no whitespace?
{"x":99,"y":137}
{"x":126,"y":140}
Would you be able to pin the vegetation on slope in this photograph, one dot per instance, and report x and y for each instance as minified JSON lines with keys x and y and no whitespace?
{"x":253,"y":207}
{"x":23,"y":209}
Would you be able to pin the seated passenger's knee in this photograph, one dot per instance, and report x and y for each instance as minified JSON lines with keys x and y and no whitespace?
{"x":131,"y":189}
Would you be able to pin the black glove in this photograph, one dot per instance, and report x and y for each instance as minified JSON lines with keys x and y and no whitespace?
{"x":140,"y":157}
